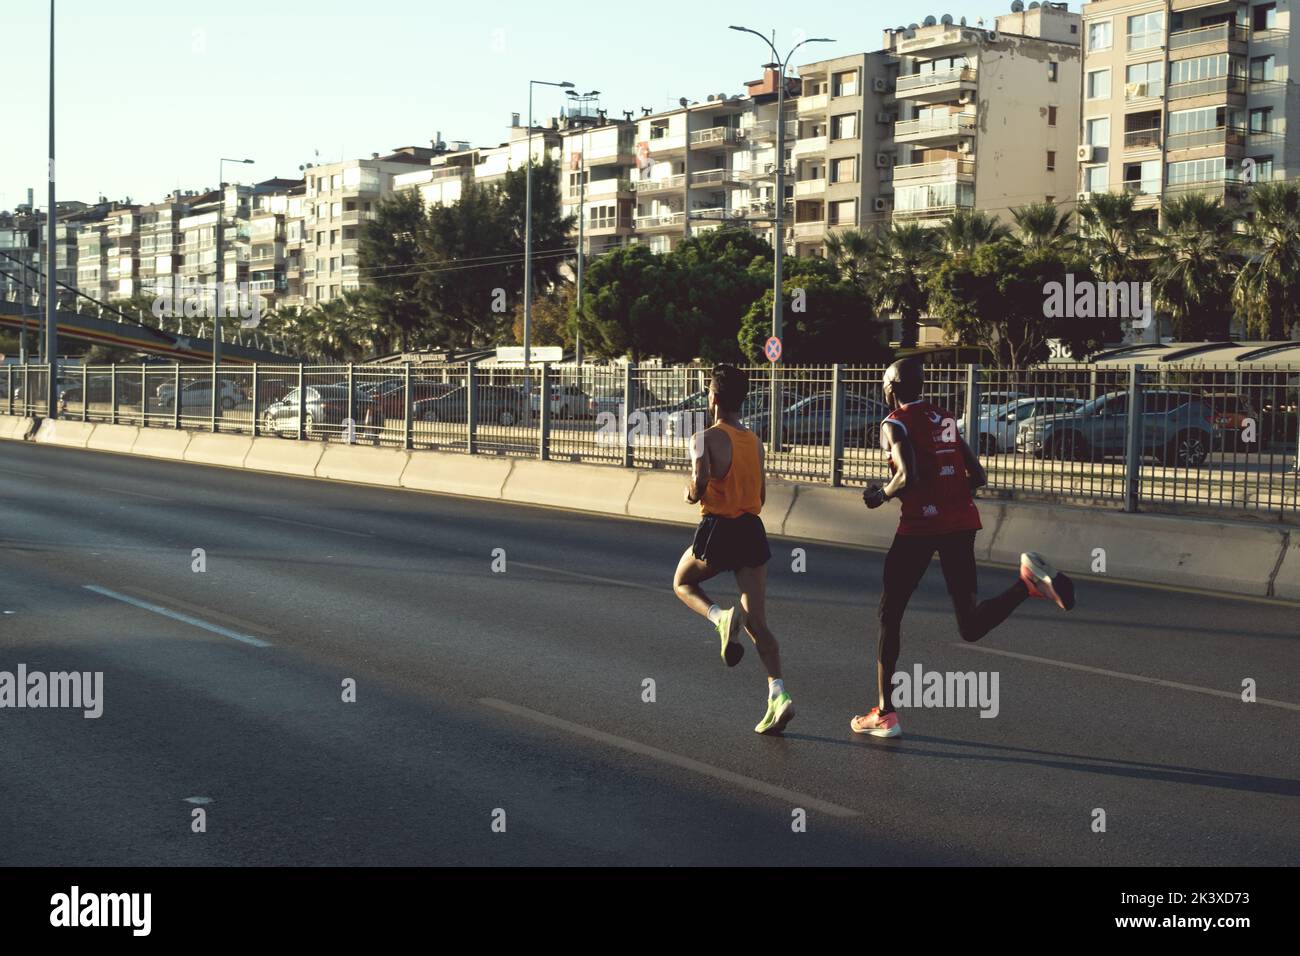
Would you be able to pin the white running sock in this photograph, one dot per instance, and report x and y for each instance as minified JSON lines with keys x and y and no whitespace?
{"x":775,"y":688}
{"x":715,"y":613}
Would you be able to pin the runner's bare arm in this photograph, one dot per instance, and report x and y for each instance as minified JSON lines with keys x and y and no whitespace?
{"x":974,"y":470}
{"x":762,"y":475}
{"x":895,"y":442}
{"x":701,"y":467}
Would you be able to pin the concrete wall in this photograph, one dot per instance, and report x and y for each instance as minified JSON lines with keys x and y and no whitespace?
{"x":1234,"y":557}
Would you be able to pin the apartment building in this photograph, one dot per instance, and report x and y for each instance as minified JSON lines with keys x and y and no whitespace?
{"x":269,"y":244}
{"x":986,"y":119}
{"x":597,"y":159}
{"x":1185,"y":96}
{"x":839,"y":167}
{"x":338,"y":198}
{"x":160,"y":244}
{"x":689,"y":162}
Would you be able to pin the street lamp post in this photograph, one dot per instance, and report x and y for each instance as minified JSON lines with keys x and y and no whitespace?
{"x":778,"y":232}
{"x":528,"y":244}
{"x":51,"y":328}
{"x":219,"y":266}
{"x":584,"y":100}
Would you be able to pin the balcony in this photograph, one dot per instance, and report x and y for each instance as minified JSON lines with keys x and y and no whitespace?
{"x":1138,"y":139}
{"x":620,"y":157}
{"x":764,"y":131}
{"x":660,"y":222}
{"x":608,"y":225}
{"x":666,"y":145}
{"x":720,"y":178}
{"x":603,"y":188}
{"x":451,"y":172}
{"x":262,"y":285}
{"x":665,"y":184}
{"x":809,"y":144}
{"x":937,"y":86}
{"x":1225,"y":136}
{"x":809,"y":187}
{"x":935,"y":128}
{"x":814,"y":104}
{"x":1219,"y":38}
{"x":1224,"y":190}
{"x":809,"y":230}
{"x":931,"y":212}
{"x":962,"y":170}
{"x":717,"y":136}
{"x":1230,"y":88}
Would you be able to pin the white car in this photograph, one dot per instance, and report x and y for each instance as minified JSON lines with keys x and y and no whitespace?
{"x":998,"y":424}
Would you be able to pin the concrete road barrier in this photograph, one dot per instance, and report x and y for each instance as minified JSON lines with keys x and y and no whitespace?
{"x":1286,"y":580}
{"x":1160,"y":549}
{"x":838,"y":515}
{"x":364,"y":465}
{"x":210,"y":448}
{"x":115,"y":438}
{"x":284,"y":457}
{"x":167,"y":443}
{"x":15,"y":427}
{"x":602,"y":488}
{"x":61,"y":431}
{"x":658,"y":495}
{"x":474,"y":475}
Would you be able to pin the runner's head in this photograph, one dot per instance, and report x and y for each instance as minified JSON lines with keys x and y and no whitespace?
{"x":729,"y":387}
{"x":903,"y":381}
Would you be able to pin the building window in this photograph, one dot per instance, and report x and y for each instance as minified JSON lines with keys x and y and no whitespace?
{"x":1051,"y":116}
{"x":1263,"y":169}
{"x":1099,"y":35}
{"x":1053,"y":71}
{"x":1094,"y":179}
{"x":1197,"y":171}
{"x":1146,"y":31}
{"x":1144,"y":79}
{"x":845,"y":126}
{"x":1263,"y":69}
{"x":1261,"y":120}
{"x":844,"y":170}
{"x":1051,"y":160}
{"x":842,"y":213}
{"x":1097,"y":132}
{"x":1264,"y":17}
{"x":1098,"y":84}
{"x":846,"y":83}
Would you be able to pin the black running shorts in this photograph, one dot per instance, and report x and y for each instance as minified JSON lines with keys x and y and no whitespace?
{"x":728,"y":544}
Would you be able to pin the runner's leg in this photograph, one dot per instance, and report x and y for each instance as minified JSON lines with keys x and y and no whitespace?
{"x":753,"y":598}
{"x":974,"y":618}
{"x":905,"y":565}
{"x":691,"y":571}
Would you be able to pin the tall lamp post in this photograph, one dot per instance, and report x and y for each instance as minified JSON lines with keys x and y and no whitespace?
{"x":51,"y":215}
{"x":528,"y":245}
{"x":778,"y":235}
{"x":220,"y":266}
{"x":583,"y":100}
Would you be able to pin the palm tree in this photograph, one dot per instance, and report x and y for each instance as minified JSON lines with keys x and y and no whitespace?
{"x":904,"y":254}
{"x":1195,"y":257}
{"x":1040,"y":226}
{"x":967,"y":230}
{"x":1267,"y":289}
{"x":1111,"y":236}
{"x":852,"y":252}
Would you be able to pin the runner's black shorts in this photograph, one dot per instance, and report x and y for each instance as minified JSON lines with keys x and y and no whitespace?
{"x":728,"y":544}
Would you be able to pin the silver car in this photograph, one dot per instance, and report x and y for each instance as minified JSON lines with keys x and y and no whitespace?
{"x":998,"y":424}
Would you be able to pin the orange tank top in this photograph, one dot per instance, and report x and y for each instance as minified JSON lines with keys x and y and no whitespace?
{"x":741,"y":490}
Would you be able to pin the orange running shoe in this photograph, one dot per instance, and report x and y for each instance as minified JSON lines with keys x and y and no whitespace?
{"x":1044,"y":581}
{"x":877,"y":724}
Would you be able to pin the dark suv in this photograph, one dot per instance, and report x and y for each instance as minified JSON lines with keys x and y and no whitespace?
{"x":1177,"y":429}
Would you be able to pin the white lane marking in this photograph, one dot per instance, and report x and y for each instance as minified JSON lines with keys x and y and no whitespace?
{"x":1157,"y":681}
{"x":167,"y":600}
{"x":137,"y":494}
{"x":790,"y":797}
{"x":590,"y":577}
{"x":177,"y":616}
{"x":198,"y":800}
{"x":318,"y":527}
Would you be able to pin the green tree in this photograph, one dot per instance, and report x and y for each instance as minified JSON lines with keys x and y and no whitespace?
{"x":1041,"y":226}
{"x":853,"y":252}
{"x":720,"y":273}
{"x":388,"y":254}
{"x":904,"y":254}
{"x":629,"y":307}
{"x":1267,"y":289}
{"x":825,"y":320}
{"x":552,"y":318}
{"x":968,"y":230}
{"x":1195,"y":259}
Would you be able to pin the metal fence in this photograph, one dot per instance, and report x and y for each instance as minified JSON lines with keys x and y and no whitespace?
{"x":1163,"y":437}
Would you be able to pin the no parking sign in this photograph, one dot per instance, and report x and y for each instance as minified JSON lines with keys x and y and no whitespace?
{"x":772,"y":349}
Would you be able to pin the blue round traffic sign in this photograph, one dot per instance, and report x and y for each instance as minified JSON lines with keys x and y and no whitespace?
{"x":772,"y":349}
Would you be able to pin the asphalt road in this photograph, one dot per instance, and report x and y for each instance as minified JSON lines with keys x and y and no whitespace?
{"x":522,"y":691}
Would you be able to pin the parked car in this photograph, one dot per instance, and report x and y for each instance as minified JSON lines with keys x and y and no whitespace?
{"x":1177,"y":429}
{"x":323,"y":406}
{"x":567,"y":401}
{"x":389,"y":400}
{"x":496,"y":404}
{"x":999,"y":424}
{"x":198,"y":395}
{"x":1000,"y":398}
{"x":808,"y":420}
{"x":1230,"y":412}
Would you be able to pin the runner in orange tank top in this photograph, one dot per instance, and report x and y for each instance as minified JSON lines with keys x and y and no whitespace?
{"x":727,"y":483}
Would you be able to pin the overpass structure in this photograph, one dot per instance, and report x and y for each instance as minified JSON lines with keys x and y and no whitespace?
{"x":82,"y":317}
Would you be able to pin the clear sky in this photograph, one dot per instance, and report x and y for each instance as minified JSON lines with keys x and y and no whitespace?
{"x":152,"y":93}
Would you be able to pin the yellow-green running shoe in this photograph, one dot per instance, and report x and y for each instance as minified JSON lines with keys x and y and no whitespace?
{"x":780,"y":711}
{"x":729,"y":626}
